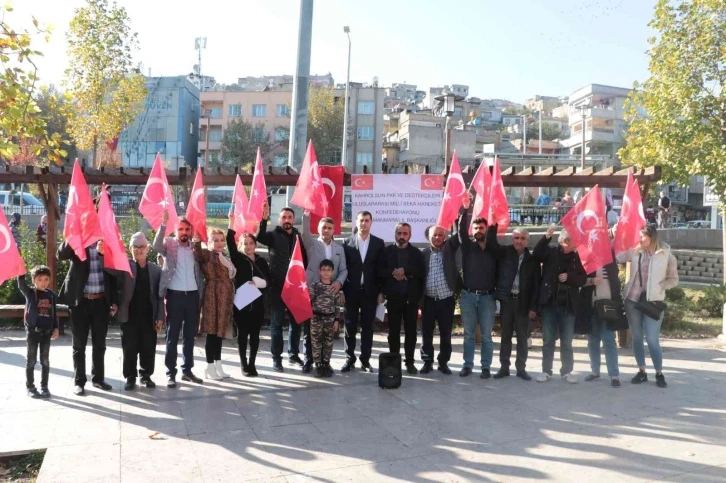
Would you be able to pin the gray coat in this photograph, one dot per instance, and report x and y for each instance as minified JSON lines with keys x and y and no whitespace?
{"x":126,"y":285}
{"x":167,"y":248}
{"x":316,"y":254}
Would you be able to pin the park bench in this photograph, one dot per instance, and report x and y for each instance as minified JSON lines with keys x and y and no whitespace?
{"x":17,"y":311}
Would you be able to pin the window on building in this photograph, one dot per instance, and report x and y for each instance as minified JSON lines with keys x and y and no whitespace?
{"x":366,"y":107}
{"x":457,"y":111}
{"x":215,"y":135}
{"x":234,"y":110}
{"x":191,"y":128}
{"x":281,"y":110}
{"x":215,"y":113}
{"x":259,"y":110}
{"x":365,"y":133}
{"x":364,"y":159}
{"x":258,"y":134}
{"x":280,"y":161}
{"x":281,"y":134}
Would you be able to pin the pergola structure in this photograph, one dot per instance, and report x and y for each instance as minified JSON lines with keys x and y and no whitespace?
{"x":49,"y":178}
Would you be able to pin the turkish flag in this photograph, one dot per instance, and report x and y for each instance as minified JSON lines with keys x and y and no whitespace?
{"x":240,"y":202}
{"x":11,"y":263}
{"x":482,"y":184}
{"x":157,"y":198}
{"x":113,"y":246}
{"x":295,"y":292}
{"x":258,"y":195}
{"x":81,"y":228}
{"x":454,"y":195}
{"x":308,"y":191}
{"x":197,"y":208}
{"x":632,"y":218}
{"x":588,"y":229}
{"x":333,"y":185}
{"x":498,"y":206}
{"x":362,"y":182}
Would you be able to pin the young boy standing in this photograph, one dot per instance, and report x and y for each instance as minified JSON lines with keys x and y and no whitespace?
{"x":41,"y":324}
{"x":326,"y":317}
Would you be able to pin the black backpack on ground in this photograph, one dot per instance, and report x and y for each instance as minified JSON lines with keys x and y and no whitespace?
{"x":389,"y":370}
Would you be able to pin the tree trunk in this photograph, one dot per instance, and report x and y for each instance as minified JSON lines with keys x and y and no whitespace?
{"x":723,"y":239}
{"x":95,"y":152}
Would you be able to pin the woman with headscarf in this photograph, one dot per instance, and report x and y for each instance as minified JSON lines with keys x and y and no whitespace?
{"x":219,"y":273}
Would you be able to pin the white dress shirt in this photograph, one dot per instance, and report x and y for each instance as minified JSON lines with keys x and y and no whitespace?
{"x":183,"y":279}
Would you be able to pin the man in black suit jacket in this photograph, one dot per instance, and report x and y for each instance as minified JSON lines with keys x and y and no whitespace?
{"x":362,"y":290}
{"x":402,"y":274}
{"x":91,"y":296}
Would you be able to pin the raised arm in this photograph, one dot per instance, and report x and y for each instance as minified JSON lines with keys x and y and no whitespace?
{"x":462,"y":230}
{"x":541,"y":249}
{"x":159,"y":246}
{"x":65,"y":252}
{"x":307,"y":238}
{"x":498,"y":251}
{"x":23,"y":286}
{"x":200,"y":254}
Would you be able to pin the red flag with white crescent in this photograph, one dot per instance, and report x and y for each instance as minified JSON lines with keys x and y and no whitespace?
{"x":197,"y":208}
{"x":455,"y":193}
{"x":632,"y":218}
{"x":482,"y":184}
{"x":157,"y":198}
{"x":258,"y":195}
{"x":240,"y":202}
{"x":588,"y":229}
{"x":114,"y":251}
{"x":81,"y":228}
{"x":498,"y":205}
{"x":11,"y":263}
{"x":332,"y":177}
{"x":308,"y":190}
{"x":295,"y":291}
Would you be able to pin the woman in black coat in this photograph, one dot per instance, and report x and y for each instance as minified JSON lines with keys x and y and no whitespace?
{"x":253,"y":269}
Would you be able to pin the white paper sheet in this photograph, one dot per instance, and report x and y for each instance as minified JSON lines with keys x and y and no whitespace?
{"x":381,"y":312}
{"x":245,"y":295}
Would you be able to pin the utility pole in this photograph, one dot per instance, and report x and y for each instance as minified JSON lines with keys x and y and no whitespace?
{"x":344,"y":157}
{"x":300,"y":88}
{"x":583,"y":107}
{"x":540,"y":131}
{"x":524,"y":134}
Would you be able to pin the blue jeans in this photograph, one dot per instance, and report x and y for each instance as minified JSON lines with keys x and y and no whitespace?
{"x":599,"y":332}
{"x":642,"y":324}
{"x":556,"y":318}
{"x":182,"y":316}
{"x":477,"y":309}
{"x":277,"y":321}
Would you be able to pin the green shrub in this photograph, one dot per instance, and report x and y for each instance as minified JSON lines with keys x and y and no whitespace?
{"x":675,"y":313}
{"x":712,"y":301}
{"x":675,"y":294}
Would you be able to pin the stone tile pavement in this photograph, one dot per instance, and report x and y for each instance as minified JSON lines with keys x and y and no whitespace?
{"x":292,"y":427}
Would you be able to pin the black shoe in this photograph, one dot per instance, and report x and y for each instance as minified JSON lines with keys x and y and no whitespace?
{"x":171,"y":382}
{"x":465,"y":372}
{"x":146,"y":381}
{"x":78,"y":390}
{"x":328,"y":371}
{"x":130,"y":384}
{"x":660,"y":380}
{"x":277,"y":366}
{"x":524,"y":376}
{"x":615,"y":382}
{"x":592,"y":377}
{"x":366,"y":367}
{"x":411,"y":369}
{"x":501,"y":373}
{"x":641,"y":376}
{"x":33,"y":392}
{"x":102,"y":385}
{"x":295,"y":359}
{"x":485,"y":374}
{"x":427,"y":367}
{"x":251,"y":371}
{"x":190,"y":377}
{"x":44,"y":393}
{"x":444,"y":368}
{"x":318,"y":371}
{"x":347,"y":366}
{"x":307,"y":367}
{"x":245,"y":366}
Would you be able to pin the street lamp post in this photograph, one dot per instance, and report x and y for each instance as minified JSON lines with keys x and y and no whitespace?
{"x":583,"y":108}
{"x":447,"y":100}
{"x":540,"y":131}
{"x":344,"y":157}
{"x":524,"y":134}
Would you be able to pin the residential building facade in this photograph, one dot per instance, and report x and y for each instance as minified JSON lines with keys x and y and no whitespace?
{"x":365,"y":111}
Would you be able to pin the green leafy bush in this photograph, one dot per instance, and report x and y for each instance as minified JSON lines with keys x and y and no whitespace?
{"x":712,"y":301}
{"x":675,"y":294}
{"x":675,"y":313}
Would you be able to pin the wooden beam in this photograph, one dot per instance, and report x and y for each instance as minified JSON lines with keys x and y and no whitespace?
{"x":510,"y":170}
{"x":586,"y":171}
{"x":546,"y":172}
{"x":607,"y":171}
{"x":566,"y":172}
{"x":53,"y":213}
{"x":526,"y":172}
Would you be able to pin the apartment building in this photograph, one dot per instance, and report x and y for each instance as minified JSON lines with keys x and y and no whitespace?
{"x":543,"y":103}
{"x":280,"y":82}
{"x":365,"y":111}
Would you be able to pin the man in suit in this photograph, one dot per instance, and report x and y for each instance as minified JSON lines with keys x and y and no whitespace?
{"x":182,"y":284}
{"x":441,"y":282}
{"x":402,"y":273}
{"x":140,"y":312}
{"x":363,"y":252}
{"x":319,"y":249}
{"x":91,"y":296}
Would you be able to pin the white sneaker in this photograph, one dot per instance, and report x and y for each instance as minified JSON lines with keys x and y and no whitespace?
{"x":570,"y":378}
{"x":544,"y":377}
{"x":529,"y":343}
{"x":220,"y":370}
{"x":211,"y":372}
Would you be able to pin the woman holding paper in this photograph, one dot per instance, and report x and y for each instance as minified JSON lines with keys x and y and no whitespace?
{"x":253,"y":271}
{"x":219,"y":273}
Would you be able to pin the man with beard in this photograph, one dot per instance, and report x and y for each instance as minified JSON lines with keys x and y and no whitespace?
{"x":402,"y":272}
{"x":182,"y":284}
{"x":441,"y":282}
{"x":281,"y":243}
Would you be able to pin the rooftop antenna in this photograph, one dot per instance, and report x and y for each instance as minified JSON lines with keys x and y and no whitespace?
{"x":199,"y":44}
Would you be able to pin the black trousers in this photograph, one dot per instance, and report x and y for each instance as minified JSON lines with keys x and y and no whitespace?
{"x":182,"y":316}
{"x":35,"y":340}
{"x":441,"y":310}
{"x":213,"y":348}
{"x":360,"y":310}
{"x":248,"y":326}
{"x":512,"y":319}
{"x":138,"y":341}
{"x":89,"y":316}
{"x":401,"y":310}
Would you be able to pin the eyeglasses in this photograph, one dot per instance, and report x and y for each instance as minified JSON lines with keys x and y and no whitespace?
{"x":139,"y":248}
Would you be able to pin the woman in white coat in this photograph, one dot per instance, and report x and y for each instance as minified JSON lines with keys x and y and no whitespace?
{"x":653,"y":271}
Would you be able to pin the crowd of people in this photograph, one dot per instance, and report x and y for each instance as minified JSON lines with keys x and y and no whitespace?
{"x":192,"y":291}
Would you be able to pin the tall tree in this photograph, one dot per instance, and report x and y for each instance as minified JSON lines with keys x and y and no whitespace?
{"x":56,"y":108}
{"x":325,"y":124}
{"x":107,"y":91}
{"x":23,"y":131}
{"x":678,"y":115}
{"x":549,"y":131}
{"x":240,"y":141}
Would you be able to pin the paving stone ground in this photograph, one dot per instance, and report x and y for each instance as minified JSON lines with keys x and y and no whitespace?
{"x":292,"y":427}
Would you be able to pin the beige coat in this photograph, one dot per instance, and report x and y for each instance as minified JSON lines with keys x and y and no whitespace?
{"x":662,"y":272}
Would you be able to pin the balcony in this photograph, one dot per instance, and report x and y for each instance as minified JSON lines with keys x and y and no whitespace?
{"x":213,"y":145}
{"x":598,"y":135}
{"x":213,"y":122}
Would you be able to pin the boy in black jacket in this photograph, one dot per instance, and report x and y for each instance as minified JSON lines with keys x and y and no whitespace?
{"x":41,"y":324}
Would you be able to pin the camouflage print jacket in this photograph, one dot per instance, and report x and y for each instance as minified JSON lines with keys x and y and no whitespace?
{"x":325,"y":302}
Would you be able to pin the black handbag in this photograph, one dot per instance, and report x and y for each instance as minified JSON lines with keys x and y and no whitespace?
{"x":654,"y":309}
{"x":609,"y":311}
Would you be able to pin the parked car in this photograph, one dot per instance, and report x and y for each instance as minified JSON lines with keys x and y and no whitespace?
{"x":11,"y":203}
{"x":699,"y":224}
